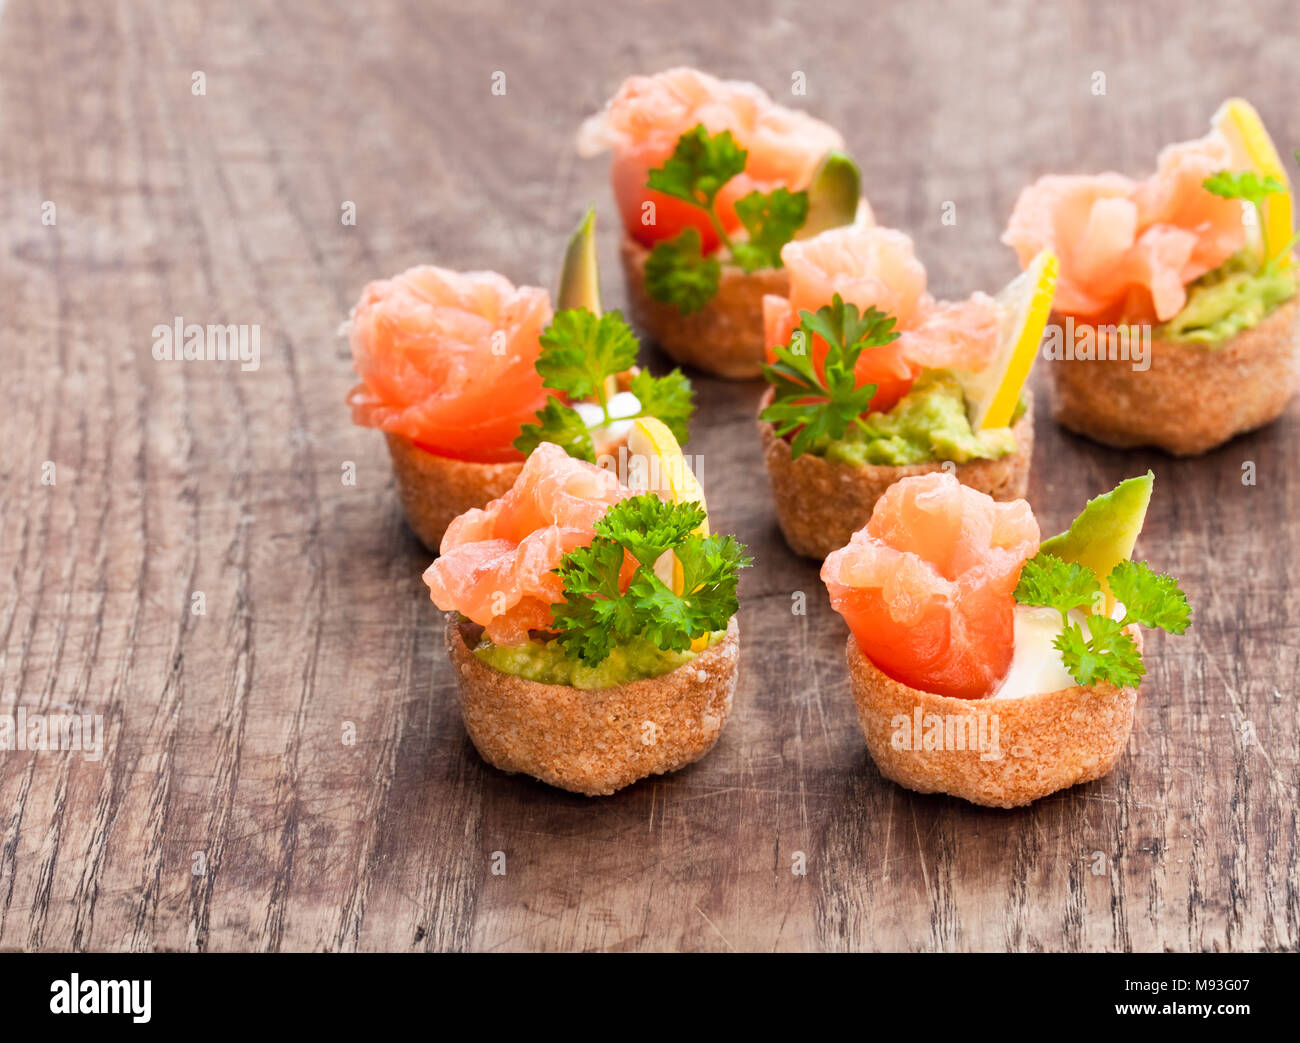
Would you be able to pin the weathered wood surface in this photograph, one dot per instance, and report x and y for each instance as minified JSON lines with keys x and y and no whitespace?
{"x":225,"y":729}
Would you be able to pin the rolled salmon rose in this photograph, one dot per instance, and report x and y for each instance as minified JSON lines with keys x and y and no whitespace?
{"x":641,"y":125}
{"x":926,"y":587}
{"x":873,"y":266}
{"x":447,"y":361}
{"x":1128,"y":248}
{"x":496,"y":564}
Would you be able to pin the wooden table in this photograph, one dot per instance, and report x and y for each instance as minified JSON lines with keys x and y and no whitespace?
{"x":229,"y":812}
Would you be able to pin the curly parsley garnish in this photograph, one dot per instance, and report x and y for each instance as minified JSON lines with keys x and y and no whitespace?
{"x":1243,"y":184}
{"x":700,"y":165}
{"x":771,"y":221}
{"x":600,"y":611}
{"x":1254,"y":189}
{"x":1150,"y":599}
{"x":822,"y":404}
{"x":580,"y":351}
{"x":677,"y":272}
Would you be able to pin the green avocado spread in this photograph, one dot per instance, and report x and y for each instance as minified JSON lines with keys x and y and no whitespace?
{"x":546,"y":663}
{"x":1235,"y":296}
{"x":928,"y":423}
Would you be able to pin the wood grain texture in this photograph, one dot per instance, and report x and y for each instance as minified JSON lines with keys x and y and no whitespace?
{"x":225,"y":729}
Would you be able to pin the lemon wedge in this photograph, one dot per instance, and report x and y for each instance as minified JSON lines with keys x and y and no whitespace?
{"x":1024,"y":306}
{"x":1253,"y":149}
{"x":657,"y":464}
{"x":665,"y":470}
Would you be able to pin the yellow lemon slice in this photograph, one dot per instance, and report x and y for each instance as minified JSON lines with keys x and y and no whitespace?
{"x":665,"y":470}
{"x":1253,"y":149}
{"x":657,"y":464}
{"x":1024,"y":306}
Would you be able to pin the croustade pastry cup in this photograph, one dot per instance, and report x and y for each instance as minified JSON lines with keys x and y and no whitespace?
{"x":594,"y":741}
{"x":1192,"y":398}
{"x":820,"y":503}
{"x":725,"y":337}
{"x":1001,"y":753}
{"x":435,"y":489}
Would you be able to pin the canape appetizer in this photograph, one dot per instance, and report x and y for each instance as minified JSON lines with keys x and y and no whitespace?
{"x":1176,"y":306}
{"x":712,"y":179}
{"x":984,"y":664}
{"x":874,"y":380}
{"x":592,"y":625}
{"x":466,"y":374}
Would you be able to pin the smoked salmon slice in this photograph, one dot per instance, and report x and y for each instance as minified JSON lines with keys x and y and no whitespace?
{"x":643,"y":121}
{"x":495,"y":565}
{"x":1128,"y":248}
{"x":927,"y":585}
{"x":447,"y":360}
{"x":868,"y":265}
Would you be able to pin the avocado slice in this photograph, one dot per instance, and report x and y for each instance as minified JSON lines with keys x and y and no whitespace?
{"x":580,"y":277}
{"x":833,"y":194}
{"x":1106,"y":529}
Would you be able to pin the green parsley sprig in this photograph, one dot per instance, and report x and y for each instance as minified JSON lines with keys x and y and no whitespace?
{"x":1249,"y":186}
{"x":1150,"y":599}
{"x":822,"y":404}
{"x":580,"y":351}
{"x":600,"y":611}
{"x":677,"y":271}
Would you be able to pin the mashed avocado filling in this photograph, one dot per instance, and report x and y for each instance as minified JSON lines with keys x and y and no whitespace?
{"x":928,"y":423}
{"x":1226,"y":300}
{"x":546,"y":663}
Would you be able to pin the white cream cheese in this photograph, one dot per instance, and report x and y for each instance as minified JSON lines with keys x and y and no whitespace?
{"x":1036,"y":665}
{"x":623,"y":404}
